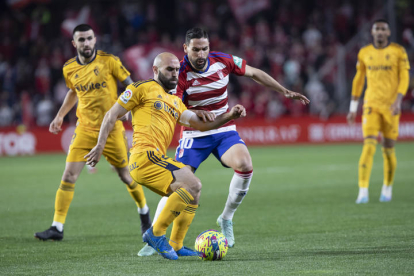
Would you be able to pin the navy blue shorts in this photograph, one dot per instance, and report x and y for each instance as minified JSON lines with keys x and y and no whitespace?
{"x":193,"y":151}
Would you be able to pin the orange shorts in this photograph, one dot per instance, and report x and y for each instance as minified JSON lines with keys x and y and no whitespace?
{"x":376,"y":120}
{"x":153,"y":170}
{"x":115,"y":151}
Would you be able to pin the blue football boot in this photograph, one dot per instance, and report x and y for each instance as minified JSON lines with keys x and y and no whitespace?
{"x":160,"y":244}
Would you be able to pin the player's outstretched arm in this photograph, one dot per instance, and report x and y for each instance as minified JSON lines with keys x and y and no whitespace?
{"x":265,"y":79}
{"x":189,"y":118}
{"x":204,"y":115}
{"x":108,"y":124}
{"x":70,"y":100}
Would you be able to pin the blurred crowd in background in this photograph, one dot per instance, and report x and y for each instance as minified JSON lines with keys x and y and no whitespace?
{"x":296,"y":42}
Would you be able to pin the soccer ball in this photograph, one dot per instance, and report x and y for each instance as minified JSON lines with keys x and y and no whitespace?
{"x":211,"y":245}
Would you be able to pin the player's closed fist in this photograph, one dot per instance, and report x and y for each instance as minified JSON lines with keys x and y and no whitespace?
{"x":238,"y":111}
{"x":56,"y":125}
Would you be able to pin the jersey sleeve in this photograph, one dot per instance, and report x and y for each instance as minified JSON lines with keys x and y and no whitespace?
{"x":403,"y":62}
{"x":359,"y":79}
{"x":237,"y":65}
{"x":181,"y":85}
{"x":131,"y":97}
{"x":118,"y":70}
{"x":403,"y":74}
{"x":181,"y":107}
{"x":67,"y":81}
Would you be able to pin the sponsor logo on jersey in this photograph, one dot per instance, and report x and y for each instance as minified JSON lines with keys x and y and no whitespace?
{"x":380,"y":67}
{"x":126,"y":96}
{"x":196,"y":82}
{"x":238,"y":61}
{"x":158,"y":105}
{"x":90,"y":86}
{"x":170,"y":110}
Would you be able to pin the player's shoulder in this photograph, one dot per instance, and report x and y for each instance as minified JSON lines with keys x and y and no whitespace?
{"x":184,"y":66}
{"x":70,"y":63}
{"x":397,"y":46}
{"x":144,"y":84}
{"x":219,"y":55}
{"x":366,"y":48}
{"x":106,"y":56}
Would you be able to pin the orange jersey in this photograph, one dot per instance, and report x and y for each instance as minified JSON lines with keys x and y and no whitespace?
{"x":383,"y":70}
{"x":154,"y":115}
{"x":95,"y":85}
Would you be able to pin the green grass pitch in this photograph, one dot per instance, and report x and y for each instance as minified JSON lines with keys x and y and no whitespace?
{"x":299,"y":218}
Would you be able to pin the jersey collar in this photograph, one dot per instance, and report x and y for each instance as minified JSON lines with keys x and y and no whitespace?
{"x":78,"y":61}
{"x":388,"y":44}
{"x":195,"y":70}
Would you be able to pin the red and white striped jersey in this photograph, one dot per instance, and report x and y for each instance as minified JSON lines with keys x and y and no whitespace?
{"x":207,"y":90}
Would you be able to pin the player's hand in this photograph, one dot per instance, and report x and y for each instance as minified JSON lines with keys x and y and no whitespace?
{"x":56,"y":125}
{"x":396,"y":107}
{"x":92,"y":158}
{"x":205,"y":115}
{"x":351,"y":118}
{"x":296,"y":96}
{"x":238,"y":111}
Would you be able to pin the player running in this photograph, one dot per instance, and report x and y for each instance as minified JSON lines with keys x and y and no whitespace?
{"x":202,"y":85}
{"x":91,"y":77}
{"x":386,"y":67}
{"x":154,"y":117}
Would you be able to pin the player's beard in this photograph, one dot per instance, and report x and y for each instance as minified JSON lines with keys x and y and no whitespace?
{"x":199,"y":63}
{"x":85,"y":55}
{"x":166,"y":82}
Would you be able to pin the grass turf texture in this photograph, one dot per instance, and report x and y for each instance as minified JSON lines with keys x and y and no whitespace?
{"x":299,"y":218}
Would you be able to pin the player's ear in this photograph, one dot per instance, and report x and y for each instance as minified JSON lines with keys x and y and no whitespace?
{"x":155,"y":70}
{"x":185,"y":48}
{"x":73,"y":43}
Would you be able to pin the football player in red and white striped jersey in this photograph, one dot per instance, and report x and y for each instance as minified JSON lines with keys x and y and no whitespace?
{"x":202,"y":85}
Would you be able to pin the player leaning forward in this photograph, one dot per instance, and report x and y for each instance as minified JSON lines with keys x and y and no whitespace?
{"x":202,"y":84}
{"x":385,"y":66}
{"x":154,"y":116}
{"x":91,"y":77}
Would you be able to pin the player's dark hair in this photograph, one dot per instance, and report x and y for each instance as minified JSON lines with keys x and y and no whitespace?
{"x":195,"y":33}
{"x":81,"y":28}
{"x":381,"y":20}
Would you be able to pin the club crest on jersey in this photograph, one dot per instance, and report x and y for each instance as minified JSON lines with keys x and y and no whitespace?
{"x":220,"y":73}
{"x":126,"y":96}
{"x":96,"y":71}
{"x":238,"y":61}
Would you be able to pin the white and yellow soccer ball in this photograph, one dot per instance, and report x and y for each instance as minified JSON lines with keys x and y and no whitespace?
{"x":211,"y":245}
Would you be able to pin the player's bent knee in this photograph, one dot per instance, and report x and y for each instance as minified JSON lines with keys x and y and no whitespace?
{"x":69,"y":176}
{"x":244,"y":165}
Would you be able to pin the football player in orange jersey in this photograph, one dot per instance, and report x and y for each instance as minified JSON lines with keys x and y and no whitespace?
{"x":92,"y":78}
{"x":385,"y":66}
